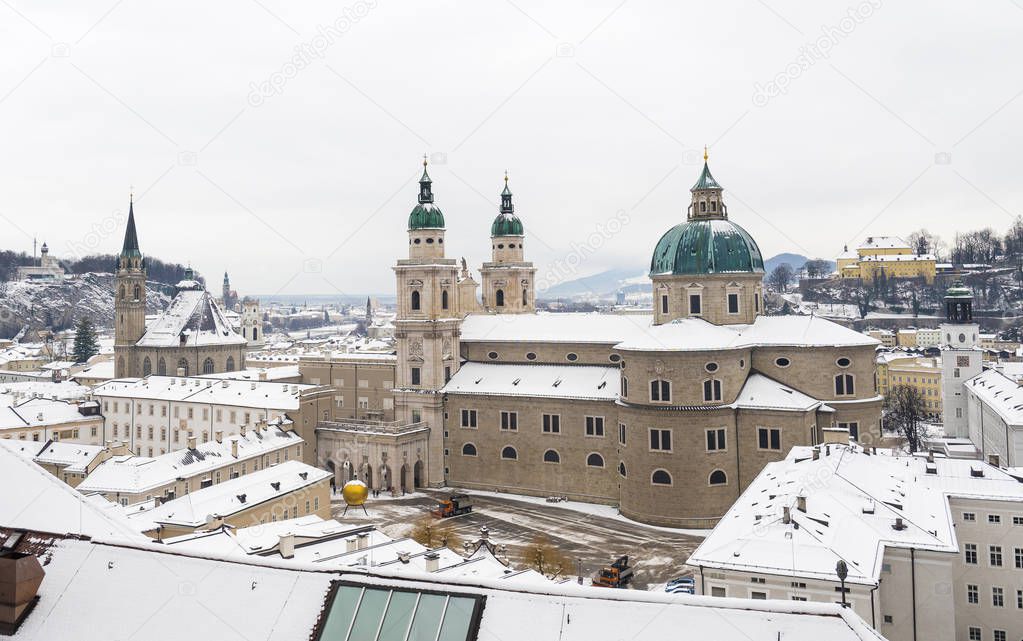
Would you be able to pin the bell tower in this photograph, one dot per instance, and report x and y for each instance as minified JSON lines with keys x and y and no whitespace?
{"x":961,"y":360}
{"x":508,"y":279}
{"x":129,"y":300}
{"x":427,"y":326}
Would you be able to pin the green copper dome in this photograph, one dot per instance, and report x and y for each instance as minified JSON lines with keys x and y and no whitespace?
{"x":506,"y":225}
{"x":708,"y":246}
{"x":426,"y":216}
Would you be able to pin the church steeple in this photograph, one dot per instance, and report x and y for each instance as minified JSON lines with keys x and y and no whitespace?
{"x":425,"y":184}
{"x":706,"y":196}
{"x":506,"y":198}
{"x":130,"y":248}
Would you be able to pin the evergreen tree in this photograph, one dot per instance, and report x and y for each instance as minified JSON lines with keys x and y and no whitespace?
{"x":86,"y":345}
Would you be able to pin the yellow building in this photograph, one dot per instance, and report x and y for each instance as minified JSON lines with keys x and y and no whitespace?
{"x":920,"y":372}
{"x":887,"y":255}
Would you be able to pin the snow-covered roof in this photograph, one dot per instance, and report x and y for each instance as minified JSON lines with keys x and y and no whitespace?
{"x":261,"y":394}
{"x":41,"y":412}
{"x":547,"y":381}
{"x":884,"y":242}
{"x":104,"y":370}
{"x":258,"y":374}
{"x":137,"y":474}
{"x":896,"y":258}
{"x":175,"y":595}
{"x":194,"y":315}
{"x":11,"y":393}
{"x":761,"y":392}
{"x":852,"y":502}
{"x":235,"y":495}
{"x":1001,"y":390}
{"x":73,"y":457}
{"x":553,"y":328}
{"x":693,"y":334}
{"x":34,"y":499}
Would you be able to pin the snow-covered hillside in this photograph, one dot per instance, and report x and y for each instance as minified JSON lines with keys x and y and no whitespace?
{"x":62,"y":303}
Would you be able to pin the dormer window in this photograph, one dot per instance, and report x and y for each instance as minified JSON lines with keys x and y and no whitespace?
{"x":703,"y":206}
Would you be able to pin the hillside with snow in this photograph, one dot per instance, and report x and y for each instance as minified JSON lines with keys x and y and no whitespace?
{"x":60,"y":304}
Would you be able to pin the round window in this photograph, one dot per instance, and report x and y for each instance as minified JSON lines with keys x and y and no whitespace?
{"x":742,"y":363}
{"x":843,"y":362}
{"x":614,"y":358}
{"x":429,"y":241}
{"x":501,"y":246}
{"x":492,"y":356}
{"x":440,"y":241}
{"x":962,"y":338}
{"x":531,"y":356}
{"x":781,"y":361}
{"x":572,"y":356}
{"x":711,"y":367}
{"x":417,"y":241}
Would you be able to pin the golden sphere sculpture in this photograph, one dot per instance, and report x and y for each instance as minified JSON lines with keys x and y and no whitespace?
{"x":355,"y":493}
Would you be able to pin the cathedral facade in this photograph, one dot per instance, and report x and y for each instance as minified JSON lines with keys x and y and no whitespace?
{"x":668,"y":415}
{"x":192,"y":336}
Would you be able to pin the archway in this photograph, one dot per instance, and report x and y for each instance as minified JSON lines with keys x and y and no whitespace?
{"x":403,"y":478}
{"x":333,"y":475}
{"x":385,"y":477}
{"x":417,"y":474}
{"x":346,"y":471}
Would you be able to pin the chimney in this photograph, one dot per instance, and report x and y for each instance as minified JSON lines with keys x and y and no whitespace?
{"x":836,"y":435}
{"x":241,"y":430}
{"x":286,"y":545}
{"x":801,"y":503}
{"x":252,"y":385}
{"x":262,"y":375}
{"x":234,"y":447}
{"x":816,"y":453}
{"x":404,"y":557}
{"x":930,"y":456}
{"x":899,"y":525}
{"x":351,"y":544}
{"x":432,"y":561}
{"x":20,"y":578}
{"x":224,"y":383}
{"x":219,"y":435}
{"x":786,"y":515}
{"x":363,"y":541}
{"x":214,"y":521}
{"x":993,"y":460}
{"x":191,"y":442}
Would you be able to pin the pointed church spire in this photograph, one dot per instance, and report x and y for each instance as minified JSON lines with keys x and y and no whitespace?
{"x":131,"y":239}
{"x":506,"y":198}
{"x":425,"y":192}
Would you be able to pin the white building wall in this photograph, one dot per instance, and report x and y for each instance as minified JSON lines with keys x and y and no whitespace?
{"x":960,"y":361}
{"x":992,"y":434}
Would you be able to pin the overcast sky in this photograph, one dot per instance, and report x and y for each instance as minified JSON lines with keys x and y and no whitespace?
{"x":281,"y":141}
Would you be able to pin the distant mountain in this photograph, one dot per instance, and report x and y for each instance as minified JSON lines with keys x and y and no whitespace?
{"x":796,"y":261}
{"x":604,"y":284}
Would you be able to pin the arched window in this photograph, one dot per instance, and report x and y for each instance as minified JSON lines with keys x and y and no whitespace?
{"x":415,"y":301}
{"x":844,"y":385}
{"x":551,"y":456}
{"x":594,"y":460}
{"x":468,"y":450}
{"x":207,"y":366}
{"x":718,"y":477}
{"x":120,"y":367}
{"x":183,"y":366}
{"x":660,"y":391}
{"x":499,"y":297}
{"x":444,"y":299}
{"x":161,"y":367}
{"x":621,"y":468}
{"x":121,"y":294}
{"x":625,"y":386}
{"x":147,"y":366}
{"x":255,"y":333}
{"x":509,"y":454}
{"x":712,"y":390}
{"x":525,"y":297}
{"x":137,"y":292}
{"x":230,"y":362}
{"x":660,"y":477}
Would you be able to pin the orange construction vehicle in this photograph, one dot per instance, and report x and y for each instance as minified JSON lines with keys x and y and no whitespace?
{"x":453,"y":506}
{"x":616,"y":575}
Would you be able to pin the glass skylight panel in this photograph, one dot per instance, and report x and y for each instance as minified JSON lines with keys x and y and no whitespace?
{"x":376,"y":614}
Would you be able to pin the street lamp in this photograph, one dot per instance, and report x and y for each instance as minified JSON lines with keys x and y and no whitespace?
{"x":843,"y":571}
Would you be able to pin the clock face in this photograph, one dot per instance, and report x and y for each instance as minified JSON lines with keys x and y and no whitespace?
{"x":962,"y":338}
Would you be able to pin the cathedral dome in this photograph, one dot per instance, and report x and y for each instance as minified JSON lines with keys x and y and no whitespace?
{"x":426,"y":216}
{"x":706,"y":246}
{"x":506,"y":225}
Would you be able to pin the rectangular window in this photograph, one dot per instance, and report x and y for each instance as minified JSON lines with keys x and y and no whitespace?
{"x":621,"y":433}
{"x":664,"y":304}
{"x":625,"y":387}
{"x":595,"y":426}
{"x":468,"y":418}
{"x":417,"y":375}
{"x":995,"y":555}
{"x":660,"y":440}
{"x":660,"y":391}
{"x":758,"y":596}
{"x":998,"y":635}
{"x":716,"y":439}
{"x":998,"y":597}
{"x":970,"y":553}
{"x":447,"y":373}
{"x":969,"y":516}
{"x":509,"y":420}
{"x":1019,"y":599}
{"x":975,"y":633}
{"x":1017,"y":520}
{"x":716,"y":591}
{"x":1018,"y":554}
{"x":844,"y":385}
{"x":972,"y":593}
{"x":712,"y":390}
{"x":854,"y":430}
{"x":694,"y":304}
{"x":552,"y":423}
{"x":994,"y":519}
{"x":733,"y":303}
{"x":769,"y":438}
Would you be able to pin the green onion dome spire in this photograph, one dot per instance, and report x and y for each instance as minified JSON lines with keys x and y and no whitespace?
{"x":506,"y":223}
{"x":425,"y":215}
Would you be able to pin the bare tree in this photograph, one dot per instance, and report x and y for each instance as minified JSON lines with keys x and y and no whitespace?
{"x":923,"y":242}
{"x":545,"y":558}
{"x":780,"y":277}
{"x":434,"y":533}
{"x":817,"y":268}
{"x":905,"y":410}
